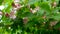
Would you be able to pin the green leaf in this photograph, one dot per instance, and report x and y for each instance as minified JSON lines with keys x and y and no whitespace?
{"x":1,"y":2}
{"x":57,"y":25}
{"x":45,"y":6}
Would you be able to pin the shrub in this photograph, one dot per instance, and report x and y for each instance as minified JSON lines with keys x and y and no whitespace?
{"x":29,"y":17}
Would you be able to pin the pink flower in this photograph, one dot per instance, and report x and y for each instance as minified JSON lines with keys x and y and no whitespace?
{"x":25,"y":20}
{"x":12,"y":15}
{"x":1,"y":13}
{"x":53,"y":23}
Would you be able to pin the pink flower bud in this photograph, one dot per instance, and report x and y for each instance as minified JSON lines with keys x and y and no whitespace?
{"x":25,"y":20}
{"x":1,"y":13}
{"x":7,"y":15}
{"x":17,"y":5}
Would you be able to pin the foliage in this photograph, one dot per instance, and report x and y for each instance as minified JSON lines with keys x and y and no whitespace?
{"x":30,"y":17}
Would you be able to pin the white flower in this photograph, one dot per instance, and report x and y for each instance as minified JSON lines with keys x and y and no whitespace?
{"x":13,"y":11}
{"x":37,"y":8}
{"x":34,"y":11}
{"x":0,"y":16}
{"x":16,"y":0}
{"x":1,"y":21}
{"x":2,"y":7}
{"x":9,"y":27}
{"x":13,"y":17}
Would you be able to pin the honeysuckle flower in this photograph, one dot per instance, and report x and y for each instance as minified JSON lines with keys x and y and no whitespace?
{"x":14,"y":10}
{"x":54,"y":4}
{"x":1,"y":13}
{"x":25,"y":20}
{"x":9,"y":27}
{"x":17,"y":5}
{"x":13,"y":17}
{"x":53,"y":23}
{"x":16,"y":1}
{"x":2,"y":7}
{"x":37,"y":8}
{"x":34,"y":10}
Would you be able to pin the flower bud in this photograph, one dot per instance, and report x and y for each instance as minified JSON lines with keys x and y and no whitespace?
{"x":54,"y":4}
{"x":25,"y":20}
{"x":7,"y":15}
{"x":1,"y":13}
